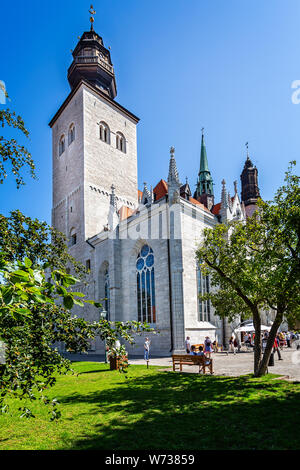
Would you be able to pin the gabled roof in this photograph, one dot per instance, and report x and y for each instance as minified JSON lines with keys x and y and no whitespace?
{"x":194,"y":201}
{"x":216,"y":209}
{"x":125,"y":212}
{"x":161,"y":189}
{"x":140,"y":195}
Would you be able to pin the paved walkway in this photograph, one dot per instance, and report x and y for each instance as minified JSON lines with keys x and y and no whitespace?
{"x":238,"y":364}
{"x":232,"y":365}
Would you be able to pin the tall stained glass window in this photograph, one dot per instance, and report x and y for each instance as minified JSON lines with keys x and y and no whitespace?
{"x":145,"y":285}
{"x":203,"y":287}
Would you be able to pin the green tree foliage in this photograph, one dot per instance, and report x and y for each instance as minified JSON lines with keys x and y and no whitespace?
{"x":14,"y":157}
{"x":35,"y":313}
{"x":256,"y":266}
{"x":21,"y":236}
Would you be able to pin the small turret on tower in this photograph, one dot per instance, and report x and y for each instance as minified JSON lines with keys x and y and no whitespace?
{"x":204,"y":191}
{"x":173,"y":179}
{"x":250,"y":190}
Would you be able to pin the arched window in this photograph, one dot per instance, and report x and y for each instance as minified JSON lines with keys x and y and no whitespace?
{"x":104,"y":132}
{"x":71,"y":134}
{"x":145,"y":285}
{"x":73,"y":237}
{"x":203,"y":287}
{"x":120,"y":142}
{"x":104,"y":288}
{"x":61,"y":145}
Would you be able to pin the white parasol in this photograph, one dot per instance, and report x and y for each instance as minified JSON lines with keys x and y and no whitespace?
{"x":250,"y":327}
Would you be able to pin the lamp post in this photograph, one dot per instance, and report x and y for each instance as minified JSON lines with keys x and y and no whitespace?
{"x":103,"y":315}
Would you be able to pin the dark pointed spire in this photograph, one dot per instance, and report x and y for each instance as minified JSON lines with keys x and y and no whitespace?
{"x":203,"y":157}
{"x":204,"y":190}
{"x":249,"y":179}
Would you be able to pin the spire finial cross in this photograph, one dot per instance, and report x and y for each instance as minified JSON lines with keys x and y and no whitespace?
{"x":92,"y":19}
{"x":202,"y":130}
{"x":172,"y":151}
{"x":247,"y":147}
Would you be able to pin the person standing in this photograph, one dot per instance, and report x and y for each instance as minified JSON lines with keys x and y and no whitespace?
{"x":231,"y":348}
{"x":207,"y":346}
{"x":188,"y":345}
{"x":147,"y":349}
{"x":264,"y":341}
{"x":288,"y":339}
{"x":214,"y":346}
{"x":276,"y":348}
{"x":281,"y":340}
{"x":235,"y":345}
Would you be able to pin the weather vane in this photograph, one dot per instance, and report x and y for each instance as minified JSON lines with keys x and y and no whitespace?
{"x":92,"y":19}
{"x":247,"y":145}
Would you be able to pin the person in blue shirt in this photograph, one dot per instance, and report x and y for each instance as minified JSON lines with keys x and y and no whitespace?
{"x":193,"y":351}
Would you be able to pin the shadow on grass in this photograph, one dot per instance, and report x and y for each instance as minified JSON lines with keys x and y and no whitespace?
{"x":94,"y":371}
{"x":185,"y":411}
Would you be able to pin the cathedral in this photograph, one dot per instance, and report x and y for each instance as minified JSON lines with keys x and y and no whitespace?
{"x":138,"y":245}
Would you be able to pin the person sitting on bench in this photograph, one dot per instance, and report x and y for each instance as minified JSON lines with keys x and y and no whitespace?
{"x":201,"y":353}
{"x":193,"y":351}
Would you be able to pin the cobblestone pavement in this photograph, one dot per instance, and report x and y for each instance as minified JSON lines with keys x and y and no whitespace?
{"x":224,"y":364}
{"x":239,"y":364}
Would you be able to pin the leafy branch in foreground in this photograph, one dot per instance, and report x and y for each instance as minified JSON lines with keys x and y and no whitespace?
{"x":13,"y":155}
{"x":31,"y":323}
{"x":21,"y":236}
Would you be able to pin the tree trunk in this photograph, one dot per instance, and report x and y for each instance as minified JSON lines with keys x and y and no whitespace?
{"x":257,"y":339}
{"x":263,"y":365}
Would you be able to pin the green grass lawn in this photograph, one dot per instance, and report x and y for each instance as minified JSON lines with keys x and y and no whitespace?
{"x":151,"y":409}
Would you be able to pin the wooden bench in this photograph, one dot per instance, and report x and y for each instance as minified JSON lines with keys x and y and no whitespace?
{"x":216,"y":348}
{"x":190,"y":360}
{"x":197,"y":346}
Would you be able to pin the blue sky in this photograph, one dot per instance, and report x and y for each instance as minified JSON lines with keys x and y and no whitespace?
{"x":180,"y":65}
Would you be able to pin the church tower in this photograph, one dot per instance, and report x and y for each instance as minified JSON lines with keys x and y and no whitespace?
{"x":204,"y":192}
{"x":94,"y":147}
{"x":250,"y":190}
{"x":92,"y":62}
